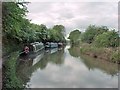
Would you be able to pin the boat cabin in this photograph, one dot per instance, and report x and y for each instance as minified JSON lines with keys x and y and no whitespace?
{"x":51,"y":45}
{"x":36,"y":46}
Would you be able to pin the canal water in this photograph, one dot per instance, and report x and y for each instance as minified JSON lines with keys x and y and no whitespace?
{"x":66,"y":68}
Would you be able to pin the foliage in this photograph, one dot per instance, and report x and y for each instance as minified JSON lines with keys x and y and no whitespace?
{"x":74,"y":36}
{"x":107,"y":39}
{"x":115,"y":57}
{"x":91,"y":32}
{"x":109,"y":54}
{"x":17,"y":28}
{"x":11,"y":47}
{"x":13,"y":19}
{"x":57,"y":34}
{"x":10,"y":78}
{"x":43,"y":32}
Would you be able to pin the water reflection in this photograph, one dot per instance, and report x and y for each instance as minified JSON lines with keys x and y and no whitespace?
{"x":26,"y":65}
{"x":66,"y":68}
{"x":74,"y":51}
{"x":52,"y":56}
{"x":93,"y":63}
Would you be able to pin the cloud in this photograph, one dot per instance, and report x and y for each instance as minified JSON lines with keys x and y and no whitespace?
{"x":72,"y":0}
{"x":74,"y":15}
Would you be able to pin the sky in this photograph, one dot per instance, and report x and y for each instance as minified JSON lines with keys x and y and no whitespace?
{"x":74,"y":15}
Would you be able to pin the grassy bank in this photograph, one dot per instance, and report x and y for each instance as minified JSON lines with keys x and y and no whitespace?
{"x":109,"y":54}
{"x":10,"y":79}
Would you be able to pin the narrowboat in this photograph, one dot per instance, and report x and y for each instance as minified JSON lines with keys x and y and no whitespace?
{"x":60,"y":44}
{"x":32,"y":48}
{"x":36,"y":46}
{"x":51,"y":45}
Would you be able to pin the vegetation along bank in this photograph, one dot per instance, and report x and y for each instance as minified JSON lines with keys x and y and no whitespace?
{"x":98,"y":42}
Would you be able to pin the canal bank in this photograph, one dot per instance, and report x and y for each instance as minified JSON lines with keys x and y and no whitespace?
{"x":108,"y":54}
{"x":10,"y":79}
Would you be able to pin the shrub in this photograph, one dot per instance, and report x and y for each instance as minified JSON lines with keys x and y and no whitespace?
{"x":115,"y":57}
{"x":107,"y":39}
{"x":10,"y":80}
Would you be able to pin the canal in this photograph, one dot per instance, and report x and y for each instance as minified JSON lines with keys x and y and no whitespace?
{"x":66,"y":68}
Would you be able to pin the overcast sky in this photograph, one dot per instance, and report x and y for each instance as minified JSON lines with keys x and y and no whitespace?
{"x":75,"y":15}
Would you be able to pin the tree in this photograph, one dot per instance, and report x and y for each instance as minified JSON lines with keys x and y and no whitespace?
{"x":13,"y":18}
{"x":107,"y":39}
{"x":91,"y":32}
{"x":57,"y":34}
{"x":60,"y":29}
{"x":43,"y":33}
{"x":74,"y":36}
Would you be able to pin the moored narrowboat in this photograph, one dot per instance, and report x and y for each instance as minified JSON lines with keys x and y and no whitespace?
{"x":32,"y":47}
{"x":36,"y":46}
{"x":51,"y":45}
{"x":60,"y":44}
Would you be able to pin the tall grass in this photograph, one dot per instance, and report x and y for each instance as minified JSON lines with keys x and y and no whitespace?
{"x":109,"y":54}
{"x":10,"y":79}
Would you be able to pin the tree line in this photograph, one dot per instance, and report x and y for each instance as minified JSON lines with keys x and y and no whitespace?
{"x":99,"y":36}
{"x":19,"y":29}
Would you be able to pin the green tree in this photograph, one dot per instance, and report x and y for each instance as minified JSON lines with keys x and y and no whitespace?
{"x":60,"y":29}
{"x":43,"y":33}
{"x":107,"y":39}
{"x":57,"y":33}
{"x":75,"y":36}
{"x":13,"y":18}
{"x":91,"y":32}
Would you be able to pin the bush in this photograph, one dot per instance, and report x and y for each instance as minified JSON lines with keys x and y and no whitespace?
{"x":109,"y":54}
{"x":91,"y":32}
{"x":115,"y":57}
{"x":107,"y":39}
{"x":10,"y":80}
